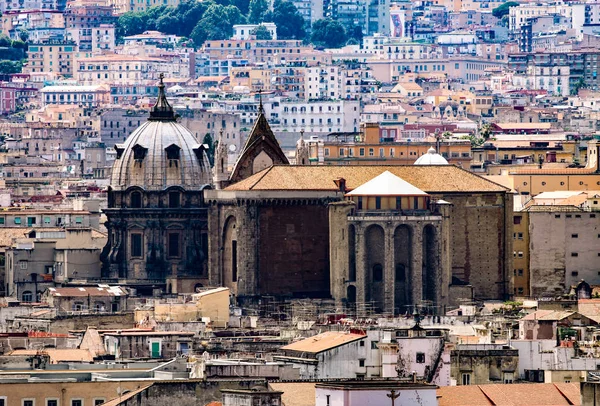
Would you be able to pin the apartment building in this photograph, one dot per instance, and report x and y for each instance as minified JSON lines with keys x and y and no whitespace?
{"x":52,"y":56}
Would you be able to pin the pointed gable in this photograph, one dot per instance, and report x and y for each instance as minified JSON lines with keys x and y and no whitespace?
{"x":387,"y":184}
{"x":260,"y":151}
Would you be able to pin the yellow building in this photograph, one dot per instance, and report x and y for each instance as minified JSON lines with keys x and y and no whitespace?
{"x":369,"y":149}
{"x":124,"y":6}
{"x":211,"y":305}
{"x":253,"y":78}
{"x":52,"y":56}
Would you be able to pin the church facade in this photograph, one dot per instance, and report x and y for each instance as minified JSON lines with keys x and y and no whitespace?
{"x":293,"y":230}
{"x":157,"y":219}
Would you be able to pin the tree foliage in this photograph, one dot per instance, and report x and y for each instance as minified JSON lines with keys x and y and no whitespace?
{"x":262,"y":33}
{"x":5,"y":41}
{"x":503,"y":9}
{"x":328,"y":33}
{"x":290,"y":23}
{"x":8,"y":67}
{"x":257,"y":11}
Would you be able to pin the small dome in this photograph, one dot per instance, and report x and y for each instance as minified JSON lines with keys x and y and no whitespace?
{"x":161,"y":153}
{"x":431,"y":158}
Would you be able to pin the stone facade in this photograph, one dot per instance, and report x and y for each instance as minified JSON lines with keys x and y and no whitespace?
{"x":410,"y":250}
{"x":563,"y":249}
{"x":157,"y":220}
{"x":286,"y":240}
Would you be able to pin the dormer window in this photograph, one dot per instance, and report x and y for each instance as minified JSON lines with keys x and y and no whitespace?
{"x":199,"y":152}
{"x":139,"y":152}
{"x":173,"y":152}
{"x":119,"y":148}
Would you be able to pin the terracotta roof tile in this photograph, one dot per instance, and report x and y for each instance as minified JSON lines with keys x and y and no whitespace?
{"x":429,"y":178}
{"x":295,"y":394}
{"x":323,"y":342}
{"x":527,"y":394}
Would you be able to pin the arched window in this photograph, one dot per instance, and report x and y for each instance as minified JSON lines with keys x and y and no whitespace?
{"x":377,"y":273}
{"x":136,"y":200}
{"x":174,"y":200}
{"x":27,"y":296}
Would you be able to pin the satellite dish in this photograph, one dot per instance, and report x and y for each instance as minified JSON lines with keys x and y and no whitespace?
{"x":232,"y":148}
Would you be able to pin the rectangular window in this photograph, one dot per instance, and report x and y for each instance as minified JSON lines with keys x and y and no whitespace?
{"x":574,"y":254}
{"x":98,"y":401}
{"x":136,"y":245}
{"x":78,"y":220}
{"x":378,"y":203}
{"x":174,"y":200}
{"x":326,"y":151}
{"x":398,"y":203}
{"x":342,"y":152}
{"x":173,"y":245}
{"x":46,"y":220}
{"x":420,"y":358}
{"x":23,"y":264}
{"x":360,"y":203}
{"x":17,"y":220}
{"x":361,"y":152}
{"x":361,"y":363}
{"x":1,"y":222}
{"x":31,"y":221}
{"x":234,"y":260}
{"x":574,"y":235}
{"x":51,"y":402}
{"x":374,"y":345}
{"x":381,"y":153}
{"x":371,"y":152}
{"x":517,"y":219}
{"x":76,"y":402}
{"x":28,"y":402}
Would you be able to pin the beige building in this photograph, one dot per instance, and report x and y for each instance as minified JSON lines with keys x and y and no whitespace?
{"x":564,"y":247}
{"x":211,"y":305}
{"x":52,"y":56}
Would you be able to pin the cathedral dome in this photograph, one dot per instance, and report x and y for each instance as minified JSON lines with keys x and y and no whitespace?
{"x":431,"y":158}
{"x":161,"y":153}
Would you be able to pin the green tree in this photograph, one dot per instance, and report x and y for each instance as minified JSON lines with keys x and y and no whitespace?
{"x":8,"y":67}
{"x":23,"y":35}
{"x":290,"y":23}
{"x":262,"y":33}
{"x":218,"y":22}
{"x":190,"y":13}
{"x":5,"y":41}
{"x":257,"y":11}
{"x":130,"y":23}
{"x":168,"y":23}
{"x":199,"y":35}
{"x":18,"y":44}
{"x":210,"y":152}
{"x":328,"y":33}
{"x":242,"y":5}
{"x":356,"y":33}
{"x":503,"y":9}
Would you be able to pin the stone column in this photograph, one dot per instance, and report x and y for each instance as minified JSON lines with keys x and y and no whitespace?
{"x":416,"y":274}
{"x":389,"y":277}
{"x":248,"y":262}
{"x":215,"y":233}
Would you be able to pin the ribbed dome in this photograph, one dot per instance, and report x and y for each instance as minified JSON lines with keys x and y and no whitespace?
{"x":431,"y":158}
{"x":160,"y":154}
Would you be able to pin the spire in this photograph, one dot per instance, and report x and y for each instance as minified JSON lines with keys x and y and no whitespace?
{"x":162,"y":110}
{"x":220,"y":170}
{"x":261,"y":110}
{"x":302,"y":153}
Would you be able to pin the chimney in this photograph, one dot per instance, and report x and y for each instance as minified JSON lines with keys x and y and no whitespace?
{"x":341,"y":184}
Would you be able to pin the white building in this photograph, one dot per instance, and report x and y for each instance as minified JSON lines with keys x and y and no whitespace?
{"x":87,"y":96}
{"x":375,"y":393}
{"x":318,"y":116}
{"x":322,"y":82}
{"x":246,"y":31}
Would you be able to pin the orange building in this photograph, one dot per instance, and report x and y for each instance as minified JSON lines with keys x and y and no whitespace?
{"x":370,"y":148}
